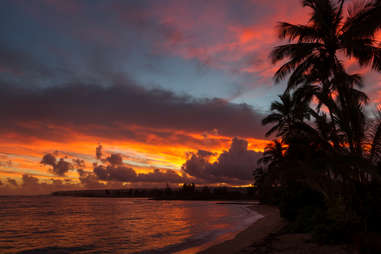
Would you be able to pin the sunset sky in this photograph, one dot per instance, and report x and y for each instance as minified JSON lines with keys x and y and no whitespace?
{"x":97,"y":93}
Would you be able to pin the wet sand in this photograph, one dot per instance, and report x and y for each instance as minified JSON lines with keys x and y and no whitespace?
{"x":255,"y":233}
{"x":265,"y":236}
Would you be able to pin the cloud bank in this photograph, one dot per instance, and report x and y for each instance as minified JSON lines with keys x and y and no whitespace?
{"x":234,"y":166}
{"x":105,"y":111}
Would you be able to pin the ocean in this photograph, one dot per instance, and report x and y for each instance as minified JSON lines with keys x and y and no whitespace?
{"x":50,"y":224}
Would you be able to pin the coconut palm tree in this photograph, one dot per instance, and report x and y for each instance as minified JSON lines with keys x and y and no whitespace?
{"x":363,"y":21}
{"x":314,"y":48}
{"x":285,"y":113}
{"x":314,"y":62}
{"x":329,"y":144}
{"x":273,"y":158}
{"x":374,"y":139}
{"x":281,"y":116}
{"x":273,"y":154}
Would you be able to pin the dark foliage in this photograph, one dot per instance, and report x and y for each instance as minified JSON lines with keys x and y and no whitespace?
{"x":185,"y":192}
{"x":323,"y":171}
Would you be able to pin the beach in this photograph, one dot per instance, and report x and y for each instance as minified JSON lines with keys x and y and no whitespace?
{"x":255,"y":233}
{"x":133,"y":226}
{"x":267,"y":235}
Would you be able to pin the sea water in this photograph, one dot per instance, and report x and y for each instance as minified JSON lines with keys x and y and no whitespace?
{"x":51,"y":224}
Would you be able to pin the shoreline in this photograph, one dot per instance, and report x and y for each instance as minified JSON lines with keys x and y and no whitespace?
{"x":255,"y":233}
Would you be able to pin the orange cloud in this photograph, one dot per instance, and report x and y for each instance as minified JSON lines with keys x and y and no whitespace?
{"x":158,"y":152}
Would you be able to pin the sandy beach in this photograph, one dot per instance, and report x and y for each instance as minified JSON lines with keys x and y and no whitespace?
{"x":266,"y":236}
{"x":255,"y":233}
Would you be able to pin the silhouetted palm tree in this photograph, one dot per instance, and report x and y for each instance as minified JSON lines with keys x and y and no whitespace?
{"x":313,"y":49}
{"x":316,"y":70}
{"x":285,"y":113}
{"x":374,"y":139}
{"x":273,"y":154}
{"x":361,"y":25}
{"x":281,"y":116}
{"x":328,"y":142}
{"x":273,"y":158}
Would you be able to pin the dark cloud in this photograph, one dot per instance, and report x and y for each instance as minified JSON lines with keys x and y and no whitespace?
{"x":49,"y":159}
{"x":125,"y":174}
{"x":205,"y":154}
{"x":78,"y":163}
{"x":113,"y":170}
{"x":31,"y":185}
{"x":114,"y":159}
{"x":28,"y":180}
{"x":17,"y":63}
{"x":62,"y":167}
{"x":111,"y":173}
{"x":234,"y":166}
{"x":104,"y":111}
{"x":89,"y":180}
{"x":138,"y":17}
{"x":11,"y":181}
{"x":198,"y":166}
{"x":98,"y":152}
{"x":59,"y":168}
{"x":158,"y":176}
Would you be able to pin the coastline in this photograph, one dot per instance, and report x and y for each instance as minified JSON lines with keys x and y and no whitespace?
{"x":266,"y":236}
{"x":255,"y":233}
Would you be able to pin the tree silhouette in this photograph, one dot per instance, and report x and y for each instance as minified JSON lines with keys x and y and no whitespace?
{"x":329,"y":145}
{"x":313,"y":50}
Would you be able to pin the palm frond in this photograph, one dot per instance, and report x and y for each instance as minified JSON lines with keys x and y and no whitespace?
{"x":301,"y":33}
{"x":323,"y":16}
{"x":374,"y":135}
{"x":366,"y":50}
{"x":272,"y":118}
{"x":299,"y":50}
{"x":363,"y":19}
{"x":272,"y":130}
{"x":302,"y":71}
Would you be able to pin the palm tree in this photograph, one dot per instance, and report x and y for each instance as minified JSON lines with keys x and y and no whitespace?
{"x":285,"y":113}
{"x":314,"y":48}
{"x":273,"y":158}
{"x":363,"y":21}
{"x":314,"y":63}
{"x":273,"y":154}
{"x":338,"y":152}
{"x":281,"y":116}
{"x":374,"y":139}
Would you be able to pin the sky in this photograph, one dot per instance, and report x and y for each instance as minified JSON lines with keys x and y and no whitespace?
{"x":139,"y":93}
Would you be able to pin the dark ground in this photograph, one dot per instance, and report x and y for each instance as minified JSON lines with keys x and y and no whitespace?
{"x":284,"y":243}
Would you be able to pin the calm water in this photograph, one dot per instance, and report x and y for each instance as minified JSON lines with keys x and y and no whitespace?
{"x":115,"y":225}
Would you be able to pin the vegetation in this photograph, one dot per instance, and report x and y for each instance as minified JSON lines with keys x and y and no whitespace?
{"x":324,"y":168}
{"x":185,"y":192}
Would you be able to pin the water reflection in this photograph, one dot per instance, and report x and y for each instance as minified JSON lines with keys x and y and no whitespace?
{"x":88,"y":225}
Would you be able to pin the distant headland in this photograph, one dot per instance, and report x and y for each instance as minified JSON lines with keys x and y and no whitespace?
{"x":185,"y":192}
